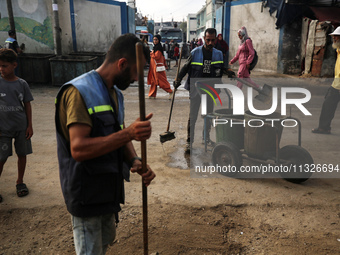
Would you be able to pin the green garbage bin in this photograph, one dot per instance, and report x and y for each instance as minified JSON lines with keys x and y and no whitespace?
{"x":260,"y":135}
{"x":66,"y":68}
{"x":100,"y":55}
{"x":230,"y":131}
{"x":35,"y":67}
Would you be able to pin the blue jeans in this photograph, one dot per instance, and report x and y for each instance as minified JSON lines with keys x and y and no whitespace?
{"x":93,"y":235}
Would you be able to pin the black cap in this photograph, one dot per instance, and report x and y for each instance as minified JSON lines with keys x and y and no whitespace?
{"x":11,"y":32}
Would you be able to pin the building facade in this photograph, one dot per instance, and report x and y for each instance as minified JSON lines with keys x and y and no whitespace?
{"x":191,"y":26}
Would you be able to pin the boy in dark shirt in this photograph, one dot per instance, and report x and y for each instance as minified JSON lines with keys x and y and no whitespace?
{"x":15,"y":117}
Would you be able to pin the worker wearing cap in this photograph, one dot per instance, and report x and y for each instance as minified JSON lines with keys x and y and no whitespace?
{"x":12,"y":43}
{"x":332,"y":97}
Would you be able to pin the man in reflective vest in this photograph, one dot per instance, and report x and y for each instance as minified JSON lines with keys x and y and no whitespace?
{"x":12,"y":43}
{"x":94,"y":147}
{"x":204,"y":66}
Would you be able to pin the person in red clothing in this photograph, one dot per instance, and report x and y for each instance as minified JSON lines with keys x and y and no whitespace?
{"x":157,"y":78}
{"x":176,"y":54}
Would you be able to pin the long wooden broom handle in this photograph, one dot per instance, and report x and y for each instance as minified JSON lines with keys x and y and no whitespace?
{"x":141,"y":92}
{"x":173,"y":95}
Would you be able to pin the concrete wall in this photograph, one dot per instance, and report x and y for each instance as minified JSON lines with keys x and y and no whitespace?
{"x":261,"y":29}
{"x":86,"y":25}
{"x":96,"y":24}
{"x":33,"y":22}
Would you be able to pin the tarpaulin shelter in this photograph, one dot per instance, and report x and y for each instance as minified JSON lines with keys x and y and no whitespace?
{"x":289,"y":10}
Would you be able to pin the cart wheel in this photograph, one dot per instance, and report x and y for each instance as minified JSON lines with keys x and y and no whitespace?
{"x":297,"y":156}
{"x":227,"y":156}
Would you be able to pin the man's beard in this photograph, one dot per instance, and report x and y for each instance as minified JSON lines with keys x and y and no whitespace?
{"x":209,"y":47}
{"x":336,"y":45}
{"x":123,"y":80}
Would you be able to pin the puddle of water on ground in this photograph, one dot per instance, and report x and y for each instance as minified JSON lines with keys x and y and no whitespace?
{"x":178,"y":158}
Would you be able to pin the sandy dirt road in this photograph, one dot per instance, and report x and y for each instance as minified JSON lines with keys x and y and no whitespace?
{"x":186,"y":215}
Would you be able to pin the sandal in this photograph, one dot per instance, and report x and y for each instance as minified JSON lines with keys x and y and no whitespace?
{"x":320,"y":131}
{"x":22,"y":190}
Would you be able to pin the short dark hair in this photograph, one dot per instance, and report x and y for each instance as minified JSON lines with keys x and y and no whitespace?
{"x":125,"y":47}
{"x":8,"y":55}
{"x":210,"y":31}
{"x":11,"y":32}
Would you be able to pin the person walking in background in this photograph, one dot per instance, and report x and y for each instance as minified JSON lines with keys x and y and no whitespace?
{"x":166,"y":48}
{"x":157,"y":75}
{"x":192,"y":44}
{"x":244,"y":56}
{"x":145,"y":41}
{"x":171,"y":49}
{"x":185,"y":51}
{"x":332,"y":96}
{"x":222,"y":46}
{"x":15,"y":117}
{"x":176,"y":54}
{"x":95,"y":150}
{"x":12,"y":43}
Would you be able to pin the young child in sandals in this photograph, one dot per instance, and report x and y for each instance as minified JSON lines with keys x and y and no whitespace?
{"x":15,"y":117}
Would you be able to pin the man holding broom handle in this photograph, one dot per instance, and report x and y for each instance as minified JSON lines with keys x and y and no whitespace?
{"x":94,"y":147}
